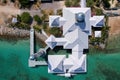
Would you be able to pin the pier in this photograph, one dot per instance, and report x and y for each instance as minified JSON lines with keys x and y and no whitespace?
{"x":42,"y":51}
{"x":31,"y":41}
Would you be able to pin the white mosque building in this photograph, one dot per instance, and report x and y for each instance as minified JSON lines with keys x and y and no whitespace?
{"x":76,"y":23}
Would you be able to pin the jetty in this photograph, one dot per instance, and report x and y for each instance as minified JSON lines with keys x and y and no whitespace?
{"x":42,"y":51}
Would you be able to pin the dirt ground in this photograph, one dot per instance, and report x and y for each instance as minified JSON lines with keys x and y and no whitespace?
{"x":114,"y":23}
{"x":6,"y":12}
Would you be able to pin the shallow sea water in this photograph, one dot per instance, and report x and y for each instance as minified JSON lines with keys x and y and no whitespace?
{"x":14,"y":65}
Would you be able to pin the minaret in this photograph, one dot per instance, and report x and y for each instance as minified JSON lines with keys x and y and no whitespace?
{"x":83,"y":3}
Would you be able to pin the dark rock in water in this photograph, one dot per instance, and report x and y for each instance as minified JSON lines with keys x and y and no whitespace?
{"x":43,"y":78}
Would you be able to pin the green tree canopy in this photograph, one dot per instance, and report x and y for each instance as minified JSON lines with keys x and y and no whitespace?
{"x":106,"y":3}
{"x":26,"y":18}
{"x":90,"y":3}
{"x":24,"y":3}
{"x":12,"y":0}
{"x":68,"y":3}
{"x":99,"y":12}
{"x":73,"y":3}
{"x":55,"y":31}
{"x":37,"y":19}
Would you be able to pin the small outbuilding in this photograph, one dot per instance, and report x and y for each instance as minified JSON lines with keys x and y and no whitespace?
{"x":14,"y":20}
{"x":97,"y":33}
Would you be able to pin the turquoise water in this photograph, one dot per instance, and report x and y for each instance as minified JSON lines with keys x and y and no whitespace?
{"x":14,"y":65}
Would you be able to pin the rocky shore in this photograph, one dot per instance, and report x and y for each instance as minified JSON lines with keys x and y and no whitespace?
{"x":19,"y":33}
{"x":13,"y":32}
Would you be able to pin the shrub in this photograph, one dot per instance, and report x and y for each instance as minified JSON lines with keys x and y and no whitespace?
{"x":55,"y":31}
{"x":24,"y":3}
{"x":69,"y":3}
{"x":99,"y":12}
{"x":26,"y":18}
{"x":37,"y":28}
{"x":106,"y":3}
{"x":37,"y":19}
{"x":90,"y":3}
{"x":59,"y":12}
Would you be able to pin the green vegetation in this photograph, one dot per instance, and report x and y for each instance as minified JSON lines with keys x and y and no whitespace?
{"x":37,"y":28}
{"x":12,"y":0}
{"x":4,"y":1}
{"x":46,"y":13}
{"x":24,"y":21}
{"x":20,"y":25}
{"x":26,"y":18}
{"x":59,"y":12}
{"x":37,"y":19}
{"x":72,"y":3}
{"x":59,"y":51}
{"x":97,"y":3}
{"x":97,"y":41}
{"x":68,"y":3}
{"x":105,"y":32}
{"x":106,"y":3}
{"x":99,"y":12}
{"x":19,"y":18}
{"x":45,"y":26}
{"x":90,"y":3}
{"x":55,"y":31}
{"x":24,"y":3}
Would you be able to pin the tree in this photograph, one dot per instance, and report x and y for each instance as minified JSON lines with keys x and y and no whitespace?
{"x":99,"y":12}
{"x":55,"y":31}
{"x":74,"y":3}
{"x":105,"y":33}
{"x":106,"y":3}
{"x":12,"y":0}
{"x":4,"y":1}
{"x":26,"y":18}
{"x":22,"y":26}
{"x":90,"y":3}
{"x":24,"y":3}
{"x":45,"y":26}
{"x":68,"y":3}
{"x":97,"y":2}
{"x":37,"y":19}
{"x":37,"y":28}
{"x":19,"y":18}
{"x":59,"y":12}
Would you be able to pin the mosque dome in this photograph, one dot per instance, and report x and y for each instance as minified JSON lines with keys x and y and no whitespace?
{"x":80,"y":17}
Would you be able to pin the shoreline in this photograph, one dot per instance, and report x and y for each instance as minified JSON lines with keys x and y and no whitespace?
{"x":18,"y":34}
{"x":15,"y":33}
